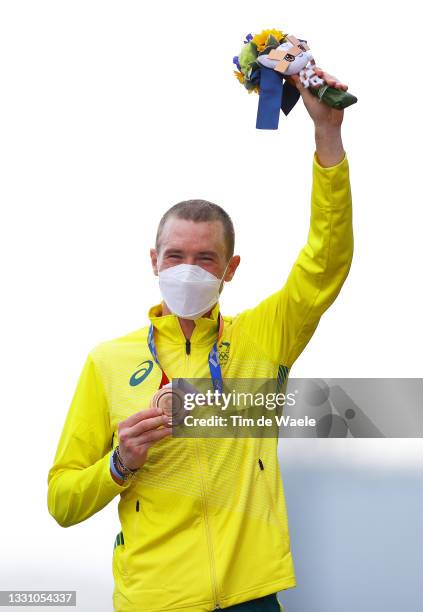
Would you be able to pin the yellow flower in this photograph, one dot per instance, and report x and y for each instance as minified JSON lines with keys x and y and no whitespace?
{"x":239,"y":76}
{"x":241,"y":79}
{"x":260,"y":40}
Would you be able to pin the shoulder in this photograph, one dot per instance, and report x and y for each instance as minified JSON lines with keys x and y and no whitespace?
{"x":115,"y":349}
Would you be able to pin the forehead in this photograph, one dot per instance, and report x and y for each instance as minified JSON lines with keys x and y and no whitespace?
{"x":192,"y":235}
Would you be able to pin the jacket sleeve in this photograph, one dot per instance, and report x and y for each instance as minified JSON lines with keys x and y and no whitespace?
{"x":79,"y":481}
{"x":284,"y":322}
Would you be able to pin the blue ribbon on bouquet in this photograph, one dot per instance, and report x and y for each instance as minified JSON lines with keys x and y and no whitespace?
{"x":275,"y":94}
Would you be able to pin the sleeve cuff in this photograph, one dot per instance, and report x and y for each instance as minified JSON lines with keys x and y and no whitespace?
{"x":110,"y":483}
{"x":331,"y":185}
{"x":329,"y":168}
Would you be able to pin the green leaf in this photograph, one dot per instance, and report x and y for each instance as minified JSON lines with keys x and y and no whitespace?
{"x":247,"y":56}
{"x":271,"y":41}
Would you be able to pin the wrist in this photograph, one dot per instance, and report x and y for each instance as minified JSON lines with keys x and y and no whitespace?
{"x":327,"y":131}
{"x":118,"y":469}
{"x":114,"y":472}
{"x":120,"y":474}
{"x":329,"y":147}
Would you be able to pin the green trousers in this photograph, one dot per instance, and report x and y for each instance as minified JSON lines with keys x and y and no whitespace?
{"x":269,"y":603}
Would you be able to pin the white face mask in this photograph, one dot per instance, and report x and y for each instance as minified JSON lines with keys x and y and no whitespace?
{"x":189,"y":290}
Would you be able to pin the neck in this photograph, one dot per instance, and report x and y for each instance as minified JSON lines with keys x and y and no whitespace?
{"x":187,"y":325}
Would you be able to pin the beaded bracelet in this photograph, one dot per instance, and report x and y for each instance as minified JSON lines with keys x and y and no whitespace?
{"x":121,"y":465}
{"x":116,"y":468}
{"x":115,"y":471}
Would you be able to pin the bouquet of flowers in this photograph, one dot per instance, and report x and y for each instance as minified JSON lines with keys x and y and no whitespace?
{"x":265,"y":62}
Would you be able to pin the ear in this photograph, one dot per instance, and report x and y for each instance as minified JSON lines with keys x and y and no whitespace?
{"x":233,"y":264}
{"x":153,"y":257}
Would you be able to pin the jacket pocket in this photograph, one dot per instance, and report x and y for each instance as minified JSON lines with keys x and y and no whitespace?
{"x":276,"y":512}
{"x":119,"y":551}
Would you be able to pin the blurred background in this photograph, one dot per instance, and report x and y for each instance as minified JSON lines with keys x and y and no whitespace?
{"x":112,"y":112}
{"x":354,"y":515}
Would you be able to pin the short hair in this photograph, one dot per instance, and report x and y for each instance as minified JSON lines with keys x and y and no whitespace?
{"x":201,"y":210}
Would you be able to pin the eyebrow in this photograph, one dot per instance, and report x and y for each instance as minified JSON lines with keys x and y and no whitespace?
{"x":212,"y":253}
{"x":169,"y":251}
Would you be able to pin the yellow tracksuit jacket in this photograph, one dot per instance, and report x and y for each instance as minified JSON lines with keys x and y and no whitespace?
{"x":204,"y":524}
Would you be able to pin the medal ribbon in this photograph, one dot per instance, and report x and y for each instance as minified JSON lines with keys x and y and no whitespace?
{"x":213,"y":358}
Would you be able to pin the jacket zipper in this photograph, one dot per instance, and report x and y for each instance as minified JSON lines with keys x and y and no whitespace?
{"x":204,"y":502}
{"x":209,"y":537}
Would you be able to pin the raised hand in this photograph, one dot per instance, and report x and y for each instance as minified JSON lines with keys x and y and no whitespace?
{"x":322,"y":114}
{"x":138,"y":432}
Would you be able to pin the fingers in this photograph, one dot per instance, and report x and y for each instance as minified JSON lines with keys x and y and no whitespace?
{"x":140,"y":428}
{"x":331,"y":80}
{"x":135,"y":440}
{"x":144,"y":426}
{"x":139,"y":416}
{"x":134,"y":451}
{"x":294,"y":79}
{"x":304,"y":92}
{"x":150,"y":437}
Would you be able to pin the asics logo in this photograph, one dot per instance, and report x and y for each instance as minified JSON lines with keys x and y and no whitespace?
{"x":144,"y":370}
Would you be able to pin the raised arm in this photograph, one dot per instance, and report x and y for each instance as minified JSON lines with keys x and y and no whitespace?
{"x":323,"y":264}
{"x":284,"y":322}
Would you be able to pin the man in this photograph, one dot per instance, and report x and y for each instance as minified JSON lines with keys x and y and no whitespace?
{"x":203,"y":521}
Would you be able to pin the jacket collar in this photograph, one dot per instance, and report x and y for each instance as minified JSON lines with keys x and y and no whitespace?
{"x":168,"y":328}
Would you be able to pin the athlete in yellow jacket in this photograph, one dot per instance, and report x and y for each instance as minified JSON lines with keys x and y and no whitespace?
{"x":203,"y":521}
